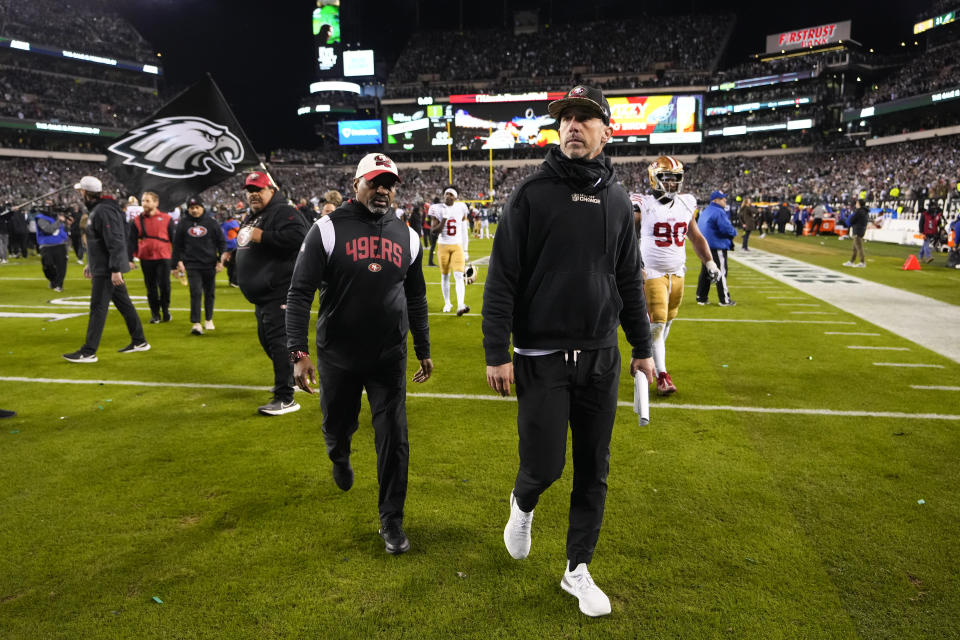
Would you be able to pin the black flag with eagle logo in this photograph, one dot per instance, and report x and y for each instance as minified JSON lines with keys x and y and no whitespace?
{"x":192,"y":143}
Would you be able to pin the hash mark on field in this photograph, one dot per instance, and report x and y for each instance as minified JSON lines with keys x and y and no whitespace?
{"x":785,"y":297}
{"x":933,"y":387}
{"x":907,"y":364}
{"x":848,"y":333}
{"x":811,"y":313}
{"x":854,"y":346}
{"x":797,"y":304}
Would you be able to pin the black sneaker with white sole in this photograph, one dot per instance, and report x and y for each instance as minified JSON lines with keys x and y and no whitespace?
{"x":395,"y":540}
{"x":133,"y":348}
{"x":279,"y":407}
{"x":728,"y":303}
{"x":80,"y":357}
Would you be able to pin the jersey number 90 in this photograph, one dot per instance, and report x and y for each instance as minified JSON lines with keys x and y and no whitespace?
{"x":665,"y":235}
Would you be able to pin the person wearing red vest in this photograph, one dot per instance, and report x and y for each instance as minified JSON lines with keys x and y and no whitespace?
{"x":151,"y":240}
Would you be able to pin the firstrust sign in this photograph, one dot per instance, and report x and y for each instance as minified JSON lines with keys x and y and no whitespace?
{"x":808,"y":37}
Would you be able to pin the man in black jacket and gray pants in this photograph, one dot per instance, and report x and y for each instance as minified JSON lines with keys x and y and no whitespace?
{"x":106,"y":263}
{"x":267,"y":246}
{"x":564,"y":272}
{"x":368,"y":266}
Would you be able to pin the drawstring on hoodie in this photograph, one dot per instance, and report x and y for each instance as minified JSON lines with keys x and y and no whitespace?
{"x":574,"y":354}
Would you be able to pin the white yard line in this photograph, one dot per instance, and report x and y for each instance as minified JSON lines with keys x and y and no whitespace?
{"x":765,"y":321}
{"x":50,"y":317}
{"x":814,"y":313}
{"x":798,"y":304}
{"x":933,"y":387}
{"x":848,"y":333}
{"x":865,"y":347}
{"x":908,"y":364}
{"x":785,"y":298}
{"x":496,"y":398}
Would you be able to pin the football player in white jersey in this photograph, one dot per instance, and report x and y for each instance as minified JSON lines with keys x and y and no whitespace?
{"x":450,"y":218}
{"x":664,"y":221}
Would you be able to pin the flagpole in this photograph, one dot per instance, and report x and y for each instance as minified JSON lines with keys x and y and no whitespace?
{"x":449,"y":154}
{"x":46,"y":195}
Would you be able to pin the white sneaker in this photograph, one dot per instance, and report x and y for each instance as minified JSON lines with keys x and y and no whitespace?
{"x":849,"y":264}
{"x":197,"y":329}
{"x":447,"y":308}
{"x":208,"y":325}
{"x":860,"y":264}
{"x":516,"y":535}
{"x":579,"y":584}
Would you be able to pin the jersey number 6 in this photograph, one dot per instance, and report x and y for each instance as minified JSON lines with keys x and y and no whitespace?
{"x":451,"y":227}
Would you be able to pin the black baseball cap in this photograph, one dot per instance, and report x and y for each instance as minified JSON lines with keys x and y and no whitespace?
{"x":582,"y":95}
{"x":195,"y":200}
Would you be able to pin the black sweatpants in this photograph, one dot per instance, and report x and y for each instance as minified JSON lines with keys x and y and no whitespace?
{"x":102,"y":292}
{"x":53,"y":259}
{"x":272,"y":331}
{"x":78,"y":249}
{"x":156,"y":276}
{"x":340,"y":393}
{"x":552,"y":390}
{"x":703,"y":282}
{"x":202,"y":281}
{"x":232,"y":268}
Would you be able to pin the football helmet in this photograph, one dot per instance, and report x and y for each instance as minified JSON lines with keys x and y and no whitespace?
{"x":470,"y":274}
{"x":666,"y":175}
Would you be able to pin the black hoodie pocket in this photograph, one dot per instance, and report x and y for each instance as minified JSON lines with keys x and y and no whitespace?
{"x":574,"y":304}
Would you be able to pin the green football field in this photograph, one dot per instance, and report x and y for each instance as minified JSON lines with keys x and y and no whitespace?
{"x":790,"y":489}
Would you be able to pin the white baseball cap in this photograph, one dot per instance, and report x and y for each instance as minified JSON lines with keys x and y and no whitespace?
{"x":373,"y":164}
{"x":89,"y":183}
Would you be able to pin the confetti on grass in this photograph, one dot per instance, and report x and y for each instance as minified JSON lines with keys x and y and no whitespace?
{"x":157,"y":600}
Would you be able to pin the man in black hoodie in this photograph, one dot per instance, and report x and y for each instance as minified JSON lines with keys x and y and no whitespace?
{"x":267,"y":246}
{"x":368,"y":267}
{"x":564,"y":272}
{"x":106,"y":263}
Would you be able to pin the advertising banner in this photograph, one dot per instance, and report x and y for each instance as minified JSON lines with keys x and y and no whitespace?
{"x":808,"y":37}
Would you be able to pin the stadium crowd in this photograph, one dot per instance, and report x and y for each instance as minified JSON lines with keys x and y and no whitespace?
{"x":38,"y":95}
{"x":86,"y":26}
{"x":913,"y":170}
{"x":605,"y":47}
{"x":934,"y":70}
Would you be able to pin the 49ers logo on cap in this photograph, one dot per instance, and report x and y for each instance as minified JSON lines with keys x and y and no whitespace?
{"x":374,"y":267}
{"x":577,"y":91}
{"x":382,"y":161}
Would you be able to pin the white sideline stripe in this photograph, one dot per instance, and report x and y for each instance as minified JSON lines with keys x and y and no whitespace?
{"x":454,"y":314}
{"x":934,"y":387}
{"x":136,"y":383}
{"x":495,"y":398}
{"x":848,"y":333}
{"x":907,"y":364}
{"x":184,"y":309}
{"x":813,"y":313}
{"x":854,"y":346}
{"x":797,"y":304}
{"x":62,"y":307}
{"x":765,"y":321}
{"x":785,"y":298}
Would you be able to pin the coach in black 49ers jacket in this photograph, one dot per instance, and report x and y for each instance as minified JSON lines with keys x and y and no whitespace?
{"x":367,"y":263}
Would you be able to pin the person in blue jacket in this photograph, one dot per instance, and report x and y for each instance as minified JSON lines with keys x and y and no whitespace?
{"x":715,"y":225}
